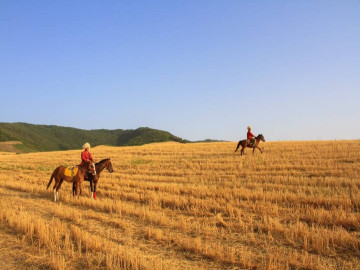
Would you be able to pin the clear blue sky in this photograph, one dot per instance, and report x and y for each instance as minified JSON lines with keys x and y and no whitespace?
{"x":198,"y":69}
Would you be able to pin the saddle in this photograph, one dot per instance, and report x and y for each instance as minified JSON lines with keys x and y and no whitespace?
{"x":71,"y":171}
{"x":251,"y":143}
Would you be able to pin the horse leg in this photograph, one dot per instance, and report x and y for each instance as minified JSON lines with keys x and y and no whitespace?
{"x":91,"y":188}
{"x":94,"y":190}
{"x":58,"y":187}
{"x":259,"y":149}
{"x":74,"y":189}
{"x":242,"y":151}
{"x":55,"y":187}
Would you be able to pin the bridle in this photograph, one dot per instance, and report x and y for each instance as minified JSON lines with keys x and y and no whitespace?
{"x":106,"y":165}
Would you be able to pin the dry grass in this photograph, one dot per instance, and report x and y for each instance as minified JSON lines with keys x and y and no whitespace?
{"x":187,"y":206}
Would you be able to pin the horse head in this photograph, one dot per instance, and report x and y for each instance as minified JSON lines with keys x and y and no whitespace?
{"x":105,"y":163}
{"x":109,"y":166}
{"x":261,"y":137}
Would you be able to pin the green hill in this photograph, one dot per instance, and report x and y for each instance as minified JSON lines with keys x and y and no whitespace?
{"x":50,"y":138}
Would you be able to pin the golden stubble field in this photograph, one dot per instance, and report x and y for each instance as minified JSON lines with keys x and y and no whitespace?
{"x":187,"y":206}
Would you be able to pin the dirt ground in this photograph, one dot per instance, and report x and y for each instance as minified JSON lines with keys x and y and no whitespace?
{"x":9,"y":146}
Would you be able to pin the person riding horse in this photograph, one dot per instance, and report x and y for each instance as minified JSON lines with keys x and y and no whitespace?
{"x":86,"y":156}
{"x":250,"y":137}
{"x":251,"y":142}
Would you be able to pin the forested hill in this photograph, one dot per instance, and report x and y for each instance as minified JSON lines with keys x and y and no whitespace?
{"x":51,"y":138}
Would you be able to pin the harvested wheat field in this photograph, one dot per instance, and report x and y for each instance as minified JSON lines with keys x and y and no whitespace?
{"x":187,"y":206}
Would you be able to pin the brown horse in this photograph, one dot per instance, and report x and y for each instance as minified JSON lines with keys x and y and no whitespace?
{"x":93,"y":179}
{"x":245,"y":143}
{"x":78,"y":178}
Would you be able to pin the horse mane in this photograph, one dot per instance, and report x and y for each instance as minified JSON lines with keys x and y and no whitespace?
{"x":105,"y":159}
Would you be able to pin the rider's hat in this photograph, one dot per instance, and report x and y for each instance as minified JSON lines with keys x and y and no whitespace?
{"x":86,"y":145}
{"x":249,"y":127}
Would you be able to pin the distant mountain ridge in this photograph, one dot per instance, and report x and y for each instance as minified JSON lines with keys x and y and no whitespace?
{"x":51,"y":138}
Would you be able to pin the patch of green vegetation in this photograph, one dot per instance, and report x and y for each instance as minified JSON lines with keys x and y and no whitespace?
{"x":23,"y":148}
{"x":17,"y":168}
{"x":139,"y":161}
{"x":44,"y":169}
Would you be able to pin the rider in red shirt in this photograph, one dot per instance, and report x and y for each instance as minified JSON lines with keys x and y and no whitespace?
{"x":250,"y":137}
{"x":86,"y":155}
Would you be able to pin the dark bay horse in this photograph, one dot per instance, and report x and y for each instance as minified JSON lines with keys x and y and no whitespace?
{"x":77,"y":178}
{"x":245,"y":143}
{"x":93,"y":179}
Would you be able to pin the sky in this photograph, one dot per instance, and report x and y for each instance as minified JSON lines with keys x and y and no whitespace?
{"x":199,"y":69}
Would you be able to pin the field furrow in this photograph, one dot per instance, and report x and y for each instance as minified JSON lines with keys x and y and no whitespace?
{"x":188,"y":206}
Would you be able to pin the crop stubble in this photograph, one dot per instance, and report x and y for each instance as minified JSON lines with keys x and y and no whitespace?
{"x":188,"y":206}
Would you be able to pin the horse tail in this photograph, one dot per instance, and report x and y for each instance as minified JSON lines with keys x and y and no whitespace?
{"x":51,"y":178}
{"x":238,"y":146}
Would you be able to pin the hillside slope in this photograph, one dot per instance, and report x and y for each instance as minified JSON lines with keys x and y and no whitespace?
{"x":51,"y":138}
